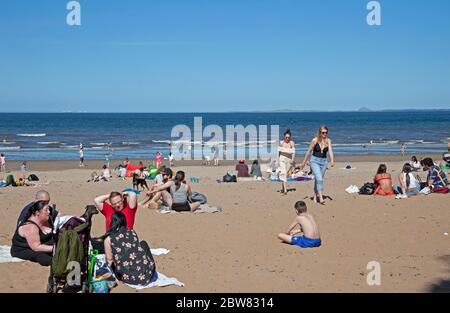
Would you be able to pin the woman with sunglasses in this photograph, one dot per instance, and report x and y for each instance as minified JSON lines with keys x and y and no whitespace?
{"x":286,"y":155}
{"x":320,"y":146}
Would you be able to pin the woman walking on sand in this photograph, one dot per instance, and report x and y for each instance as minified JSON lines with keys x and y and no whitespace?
{"x":320,"y":146}
{"x":286,"y":155}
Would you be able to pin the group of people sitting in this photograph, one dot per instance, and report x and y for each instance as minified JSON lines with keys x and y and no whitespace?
{"x":242,"y":169}
{"x":170,"y":193}
{"x":410,"y":185}
{"x":129,"y":258}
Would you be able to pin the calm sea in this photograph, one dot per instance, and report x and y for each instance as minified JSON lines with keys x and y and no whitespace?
{"x":57,"y":136}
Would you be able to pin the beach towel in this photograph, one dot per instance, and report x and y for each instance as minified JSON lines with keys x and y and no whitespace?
{"x":159,"y":280}
{"x":247,"y":179}
{"x":293,"y":180}
{"x":204,"y":208}
{"x":5,"y":255}
{"x":132,"y":190}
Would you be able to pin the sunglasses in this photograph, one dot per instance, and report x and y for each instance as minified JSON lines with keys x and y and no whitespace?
{"x":324,"y":133}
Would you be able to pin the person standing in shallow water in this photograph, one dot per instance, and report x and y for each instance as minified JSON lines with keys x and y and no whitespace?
{"x":320,"y":147}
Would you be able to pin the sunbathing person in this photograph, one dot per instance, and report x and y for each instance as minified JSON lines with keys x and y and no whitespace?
{"x":409,"y":186}
{"x":383,"y":181}
{"x":307,"y":226}
{"x":33,"y":240}
{"x":179,"y":190}
{"x":130,"y":259}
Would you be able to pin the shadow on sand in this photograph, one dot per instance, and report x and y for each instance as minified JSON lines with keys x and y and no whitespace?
{"x":443,"y":285}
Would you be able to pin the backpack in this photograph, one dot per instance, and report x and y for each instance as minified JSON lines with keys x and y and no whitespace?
{"x":198,"y":197}
{"x":229,"y":178}
{"x":368,"y":189}
{"x":10,"y":181}
{"x":69,"y":248}
{"x":33,"y":177}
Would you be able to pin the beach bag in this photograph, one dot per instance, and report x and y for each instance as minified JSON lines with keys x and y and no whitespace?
{"x":33,"y":177}
{"x":368,"y":189}
{"x":198,"y":197}
{"x":437,"y":189}
{"x":229,"y":178}
{"x":10,"y":181}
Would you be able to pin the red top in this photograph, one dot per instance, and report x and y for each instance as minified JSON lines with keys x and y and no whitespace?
{"x":129,"y":213}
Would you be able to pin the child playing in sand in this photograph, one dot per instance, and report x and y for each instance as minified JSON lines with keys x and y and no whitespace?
{"x":308,"y":226}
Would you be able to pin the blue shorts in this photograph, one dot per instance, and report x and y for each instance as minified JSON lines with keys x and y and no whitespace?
{"x":304,"y":242}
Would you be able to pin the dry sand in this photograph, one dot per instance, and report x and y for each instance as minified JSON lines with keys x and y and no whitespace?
{"x":238,"y":251}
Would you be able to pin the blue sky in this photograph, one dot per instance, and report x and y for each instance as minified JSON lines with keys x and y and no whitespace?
{"x":223,"y":55}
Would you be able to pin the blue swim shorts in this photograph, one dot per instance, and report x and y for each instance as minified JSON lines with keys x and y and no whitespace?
{"x":304,"y":242}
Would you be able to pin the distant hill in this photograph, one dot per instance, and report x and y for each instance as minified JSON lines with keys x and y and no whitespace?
{"x":364,"y":109}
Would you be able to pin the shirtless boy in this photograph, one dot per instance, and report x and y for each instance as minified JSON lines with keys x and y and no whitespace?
{"x":307,"y":226}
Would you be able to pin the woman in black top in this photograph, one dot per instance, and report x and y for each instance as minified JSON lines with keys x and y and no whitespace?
{"x":320,"y":146}
{"x":33,"y":240}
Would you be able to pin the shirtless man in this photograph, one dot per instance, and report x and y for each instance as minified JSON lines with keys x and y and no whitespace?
{"x":307,"y":225}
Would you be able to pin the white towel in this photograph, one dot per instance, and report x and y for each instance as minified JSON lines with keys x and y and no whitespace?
{"x":159,"y":251}
{"x":352,"y":189}
{"x":161,"y":281}
{"x":5,"y":255}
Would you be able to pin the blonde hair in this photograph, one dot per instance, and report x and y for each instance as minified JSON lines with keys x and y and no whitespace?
{"x":325,"y":142}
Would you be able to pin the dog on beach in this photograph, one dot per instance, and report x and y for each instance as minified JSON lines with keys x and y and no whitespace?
{"x":139,"y":181}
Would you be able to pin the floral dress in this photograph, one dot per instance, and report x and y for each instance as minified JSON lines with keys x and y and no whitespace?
{"x":133,"y":265}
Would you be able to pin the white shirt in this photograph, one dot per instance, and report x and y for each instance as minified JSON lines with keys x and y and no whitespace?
{"x":412,"y":181}
{"x":159,"y":179}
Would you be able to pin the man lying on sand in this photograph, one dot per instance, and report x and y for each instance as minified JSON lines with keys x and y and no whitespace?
{"x":307,"y":224}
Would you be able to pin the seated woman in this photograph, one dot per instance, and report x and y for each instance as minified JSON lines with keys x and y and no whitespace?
{"x":383,"y":181}
{"x":242,"y":169}
{"x":177,"y":195}
{"x":32,"y":240}
{"x":256,"y":169}
{"x":130,"y":259}
{"x":416,"y":166}
{"x":105,"y":174}
{"x":409,"y":186}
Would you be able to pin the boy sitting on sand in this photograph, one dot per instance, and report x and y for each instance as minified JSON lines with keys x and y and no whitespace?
{"x":307,"y":224}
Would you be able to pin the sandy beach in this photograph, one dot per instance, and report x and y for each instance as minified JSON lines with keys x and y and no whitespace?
{"x":237,"y":250}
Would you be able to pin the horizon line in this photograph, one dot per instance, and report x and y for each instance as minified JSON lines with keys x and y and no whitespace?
{"x":218,"y":112}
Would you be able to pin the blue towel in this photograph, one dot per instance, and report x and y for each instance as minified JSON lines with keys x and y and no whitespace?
{"x":132,"y":190}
